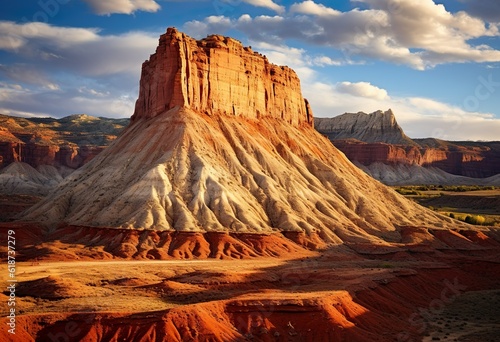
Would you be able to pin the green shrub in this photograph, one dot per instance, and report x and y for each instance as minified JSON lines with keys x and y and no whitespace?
{"x":476,"y":219}
{"x":406,"y":192}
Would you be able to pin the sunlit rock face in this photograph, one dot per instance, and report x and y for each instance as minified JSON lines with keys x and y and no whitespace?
{"x":222,"y":141}
{"x":217,"y":75}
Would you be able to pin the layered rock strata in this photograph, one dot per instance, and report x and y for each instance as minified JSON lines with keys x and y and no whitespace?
{"x":217,"y":75}
{"x":377,"y":138}
{"x":378,"y":126}
{"x":67,"y":142}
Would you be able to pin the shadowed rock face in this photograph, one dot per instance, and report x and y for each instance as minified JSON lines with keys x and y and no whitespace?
{"x":187,"y":163}
{"x":217,"y":75}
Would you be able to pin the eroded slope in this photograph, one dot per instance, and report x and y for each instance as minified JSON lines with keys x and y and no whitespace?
{"x":185,"y":171}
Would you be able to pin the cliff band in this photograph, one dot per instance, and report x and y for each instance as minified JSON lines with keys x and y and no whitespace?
{"x":378,"y":126}
{"x":376,"y":139}
{"x":217,"y":75}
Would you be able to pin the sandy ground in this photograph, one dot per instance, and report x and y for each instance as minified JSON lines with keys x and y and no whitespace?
{"x":472,"y":317}
{"x":118,"y":285}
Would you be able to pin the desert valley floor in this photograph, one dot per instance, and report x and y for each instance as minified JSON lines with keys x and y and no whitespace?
{"x":445,"y":289}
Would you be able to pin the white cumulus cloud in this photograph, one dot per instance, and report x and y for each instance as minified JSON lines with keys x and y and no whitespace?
{"x":310,"y":7}
{"x":420,"y":34}
{"x":266,"y":4}
{"x":362,"y":89}
{"x":63,"y":70}
{"x":83,"y":50}
{"x":103,"y":7}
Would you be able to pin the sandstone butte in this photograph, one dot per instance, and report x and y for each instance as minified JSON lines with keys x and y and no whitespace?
{"x":217,"y":75}
{"x":222,"y":141}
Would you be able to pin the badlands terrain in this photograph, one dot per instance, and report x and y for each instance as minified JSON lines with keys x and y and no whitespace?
{"x":377,"y":144}
{"x":221,"y":214}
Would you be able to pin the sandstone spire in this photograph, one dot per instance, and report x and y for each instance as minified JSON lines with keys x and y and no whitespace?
{"x":217,"y":75}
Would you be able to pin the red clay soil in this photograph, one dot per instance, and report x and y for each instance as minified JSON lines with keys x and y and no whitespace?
{"x":385,"y":311}
{"x":378,"y":297}
{"x":90,"y":243}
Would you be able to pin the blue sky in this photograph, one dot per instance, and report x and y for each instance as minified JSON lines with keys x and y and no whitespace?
{"x":435,"y":63}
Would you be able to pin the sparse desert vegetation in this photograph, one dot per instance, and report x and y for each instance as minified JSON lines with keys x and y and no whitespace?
{"x":421,"y":190}
{"x":477,"y":205}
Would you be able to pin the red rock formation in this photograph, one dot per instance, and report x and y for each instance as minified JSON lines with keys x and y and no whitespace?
{"x":367,"y":154}
{"x":377,"y":138}
{"x":467,"y":162}
{"x":33,"y":154}
{"x":10,"y":152}
{"x":36,"y":154}
{"x":75,"y":157}
{"x":189,"y":163}
{"x":71,"y":141}
{"x":68,"y":156}
{"x":217,"y":75}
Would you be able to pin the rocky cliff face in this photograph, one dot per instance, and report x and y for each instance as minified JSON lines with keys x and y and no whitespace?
{"x":369,"y":153}
{"x":433,"y":165}
{"x":188,"y":162}
{"x":217,"y":75}
{"x":69,"y":142}
{"x":377,"y":138}
{"x":366,"y":154}
{"x":469,"y":162}
{"x":378,"y":126}
{"x":55,"y":155}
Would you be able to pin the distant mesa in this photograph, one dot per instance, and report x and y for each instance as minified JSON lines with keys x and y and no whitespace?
{"x":37,"y":153}
{"x":376,"y":143}
{"x":222,"y":141}
{"x":376,"y":127}
{"x":68,"y":142}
